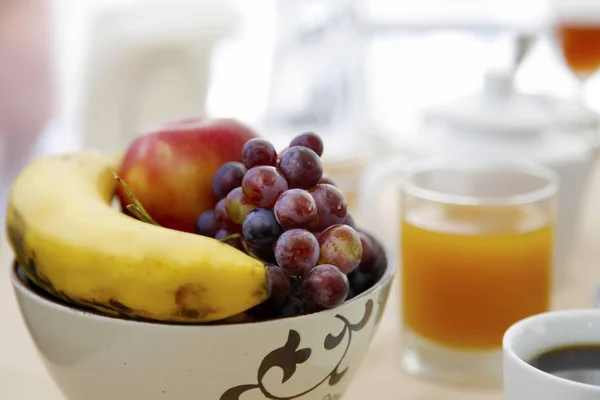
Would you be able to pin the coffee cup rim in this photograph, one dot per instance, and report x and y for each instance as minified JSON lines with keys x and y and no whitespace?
{"x":517,"y":328}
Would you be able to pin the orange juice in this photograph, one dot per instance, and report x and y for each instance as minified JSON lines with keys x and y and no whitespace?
{"x":468,"y":273}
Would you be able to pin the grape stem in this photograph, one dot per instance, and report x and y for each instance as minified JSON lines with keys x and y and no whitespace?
{"x":244,"y":244}
{"x":247,"y":249}
{"x":136,"y":208}
{"x":230,"y":237}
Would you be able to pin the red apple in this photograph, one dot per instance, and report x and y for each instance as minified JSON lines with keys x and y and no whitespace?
{"x":170,"y":168}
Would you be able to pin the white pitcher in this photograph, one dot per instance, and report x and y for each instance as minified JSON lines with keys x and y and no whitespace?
{"x":148,"y":61}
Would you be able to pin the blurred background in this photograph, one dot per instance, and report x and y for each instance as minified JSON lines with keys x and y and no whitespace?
{"x":383,"y":82}
{"x":375,"y":78}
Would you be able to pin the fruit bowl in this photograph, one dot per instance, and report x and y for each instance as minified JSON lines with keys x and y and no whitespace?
{"x":97,"y":357}
{"x":230,"y":271}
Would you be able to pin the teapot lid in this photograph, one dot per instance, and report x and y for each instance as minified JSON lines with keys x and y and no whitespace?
{"x":500,"y":109}
{"x":499,"y":118}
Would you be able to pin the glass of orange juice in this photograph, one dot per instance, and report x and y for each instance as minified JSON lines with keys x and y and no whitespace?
{"x":476,"y":240}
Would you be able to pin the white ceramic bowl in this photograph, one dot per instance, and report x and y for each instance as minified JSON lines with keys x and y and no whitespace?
{"x":95,"y":357}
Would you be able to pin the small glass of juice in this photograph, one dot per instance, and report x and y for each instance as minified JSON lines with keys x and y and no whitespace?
{"x":477,"y":243}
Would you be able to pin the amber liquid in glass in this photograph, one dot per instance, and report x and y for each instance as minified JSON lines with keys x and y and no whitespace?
{"x":464,"y":281}
{"x":581,"y":46}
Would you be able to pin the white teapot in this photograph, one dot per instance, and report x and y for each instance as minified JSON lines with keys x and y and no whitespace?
{"x":499,"y":121}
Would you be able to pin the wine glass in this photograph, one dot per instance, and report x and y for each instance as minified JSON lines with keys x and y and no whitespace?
{"x":577,"y":25}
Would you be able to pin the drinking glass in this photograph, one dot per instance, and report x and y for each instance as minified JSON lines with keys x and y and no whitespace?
{"x":578,"y":28}
{"x":477,"y":242}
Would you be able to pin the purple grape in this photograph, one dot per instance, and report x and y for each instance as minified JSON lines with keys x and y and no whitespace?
{"x":379,"y":265}
{"x":360,"y":281}
{"x":331,"y":207}
{"x":237,"y":206}
{"x":260,"y":227}
{"x":258,"y":152}
{"x":237,"y":243}
{"x":326,"y":180}
{"x":295,"y":208}
{"x":228,"y":177}
{"x":280,"y":287}
{"x":310,"y":307}
{"x":262,"y":186}
{"x":297,"y":251}
{"x":207,"y":224}
{"x":340,"y":246}
{"x":292,"y":308}
{"x":280,"y":295}
{"x":351,"y":293}
{"x":223,"y":218}
{"x":380,"y":261}
{"x":325,"y":286}
{"x":265,"y":253}
{"x":261,"y":312}
{"x":301,"y":167}
{"x":349,"y":220}
{"x":310,"y":140}
{"x":221,"y":234}
{"x":368,"y":253}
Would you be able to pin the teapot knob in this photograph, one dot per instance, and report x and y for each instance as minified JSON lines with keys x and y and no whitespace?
{"x":498,"y":84}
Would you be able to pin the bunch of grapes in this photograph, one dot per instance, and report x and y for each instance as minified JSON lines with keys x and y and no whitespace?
{"x":282,"y":209}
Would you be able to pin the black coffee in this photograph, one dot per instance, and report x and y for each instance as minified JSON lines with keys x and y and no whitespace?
{"x":576,"y":363}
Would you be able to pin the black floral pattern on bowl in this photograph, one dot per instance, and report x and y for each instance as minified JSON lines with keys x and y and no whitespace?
{"x":289,"y":356}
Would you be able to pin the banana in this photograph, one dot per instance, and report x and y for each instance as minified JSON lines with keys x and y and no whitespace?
{"x":73,"y":244}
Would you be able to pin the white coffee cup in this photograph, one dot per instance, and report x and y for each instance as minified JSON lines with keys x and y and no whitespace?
{"x":534,"y":335}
